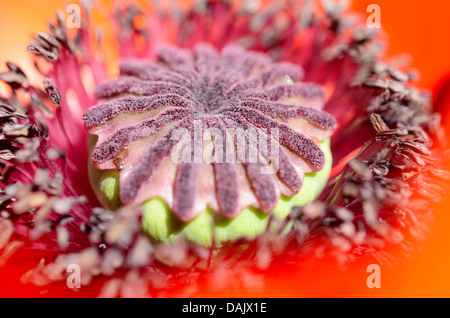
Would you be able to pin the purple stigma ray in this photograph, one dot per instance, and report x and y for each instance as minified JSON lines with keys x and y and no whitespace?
{"x":137,"y":86}
{"x":222,"y":91}
{"x":297,"y":142}
{"x":285,"y":112}
{"x":286,"y":170}
{"x":225,"y":175}
{"x":206,"y":59}
{"x":185,"y":182}
{"x":305,"y":90}
{"x":242,"y":62}
{"x":263,"y":185}
{"x":185,"y":192}
{"x":101,"y":113}
{"x":125,"y":136}
{"x":175,"y":58}
{"x":149,"y":162}
{"x":150,"y":71}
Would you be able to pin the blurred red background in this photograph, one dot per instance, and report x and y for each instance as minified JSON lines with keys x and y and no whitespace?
{"x":420,"y":29}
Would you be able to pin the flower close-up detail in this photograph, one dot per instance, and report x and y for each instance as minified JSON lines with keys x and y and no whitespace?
{"x":208,"y":148}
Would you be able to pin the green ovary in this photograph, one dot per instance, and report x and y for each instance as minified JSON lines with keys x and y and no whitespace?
{"x":159,"y":222}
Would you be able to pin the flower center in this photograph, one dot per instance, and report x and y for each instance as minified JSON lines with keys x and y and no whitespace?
{"x":143,"y":111}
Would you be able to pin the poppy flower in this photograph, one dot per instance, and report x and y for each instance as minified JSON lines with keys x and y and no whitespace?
{"x":87,"y":176}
